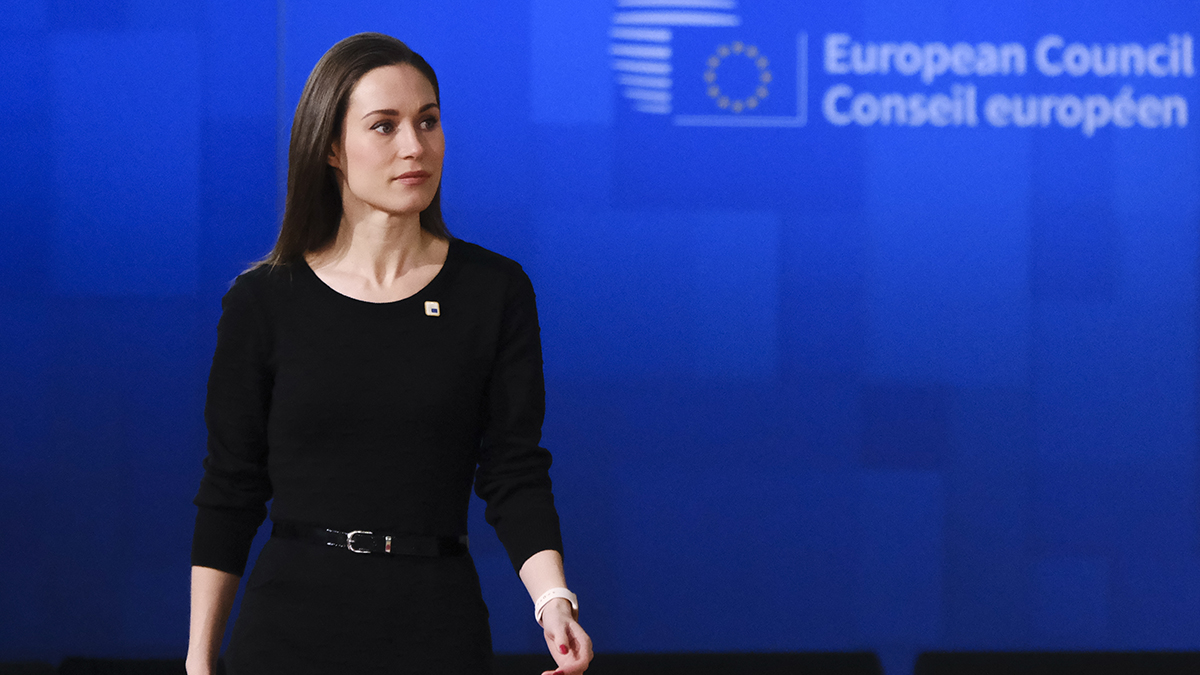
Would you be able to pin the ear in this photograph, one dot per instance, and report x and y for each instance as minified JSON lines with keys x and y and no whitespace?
{"x":335,"y":156}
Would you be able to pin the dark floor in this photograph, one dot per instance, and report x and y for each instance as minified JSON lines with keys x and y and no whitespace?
{"x":857,"y":663}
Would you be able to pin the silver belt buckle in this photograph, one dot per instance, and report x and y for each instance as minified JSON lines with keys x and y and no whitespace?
{"x":350,"y":540}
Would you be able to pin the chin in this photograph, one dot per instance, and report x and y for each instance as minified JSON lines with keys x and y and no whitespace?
{"x":409,"y":204}
{"x":404,"y":207}
{"x":415,"y":209}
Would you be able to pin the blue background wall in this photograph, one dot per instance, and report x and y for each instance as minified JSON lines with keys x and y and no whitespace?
{"x":812,"y":386}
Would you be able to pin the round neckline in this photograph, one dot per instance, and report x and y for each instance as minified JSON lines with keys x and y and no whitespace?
{"x":330,"y":289}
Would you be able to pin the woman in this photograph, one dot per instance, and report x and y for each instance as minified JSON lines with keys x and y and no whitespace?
{"x":366,"y":373}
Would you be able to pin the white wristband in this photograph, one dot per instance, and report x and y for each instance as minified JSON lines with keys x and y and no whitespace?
{"x":540,"y":604}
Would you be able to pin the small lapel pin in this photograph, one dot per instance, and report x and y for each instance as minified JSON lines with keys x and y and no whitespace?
{"x":432,"y":308}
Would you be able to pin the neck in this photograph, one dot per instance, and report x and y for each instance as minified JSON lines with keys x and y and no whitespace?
{"x":377,"y":245}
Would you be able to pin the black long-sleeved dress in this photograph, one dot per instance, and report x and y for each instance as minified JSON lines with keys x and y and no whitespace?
{"x":354,"y":415}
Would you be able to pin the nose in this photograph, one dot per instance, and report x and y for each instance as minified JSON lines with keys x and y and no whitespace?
{"x":408,"y":142}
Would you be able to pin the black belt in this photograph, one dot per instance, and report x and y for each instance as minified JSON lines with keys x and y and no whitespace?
{"x":360,"y":541}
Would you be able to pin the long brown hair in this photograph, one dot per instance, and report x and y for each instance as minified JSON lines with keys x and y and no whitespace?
{"x":313,"y":208}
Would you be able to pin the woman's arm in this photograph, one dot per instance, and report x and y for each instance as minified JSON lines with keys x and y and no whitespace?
{"x":571,"y":647}
{"x":212,"y":598}
{"x":514,"y":472}
{"x":236,"y":486}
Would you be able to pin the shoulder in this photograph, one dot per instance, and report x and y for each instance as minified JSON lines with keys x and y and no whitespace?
{"x":263,"y":281}
{"x":261,"y":290}
{"x":484,"y":266}
{"x":493,"y":282}
{"x":264,"y":276}
{"x":484,"y":260}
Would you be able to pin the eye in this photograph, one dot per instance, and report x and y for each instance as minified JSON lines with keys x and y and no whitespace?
{"x":430,"y":122}
{"x":384,"y":127}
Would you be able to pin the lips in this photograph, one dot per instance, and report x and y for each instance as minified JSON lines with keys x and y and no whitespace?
{"x":413,"y":177}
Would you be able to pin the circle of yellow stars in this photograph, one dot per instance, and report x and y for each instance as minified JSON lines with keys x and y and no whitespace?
{"x":737,"y":48}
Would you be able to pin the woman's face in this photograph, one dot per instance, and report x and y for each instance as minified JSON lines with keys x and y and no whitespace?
{"x":391,"y":147}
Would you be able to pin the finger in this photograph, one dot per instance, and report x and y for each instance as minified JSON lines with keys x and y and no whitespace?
{"x":572,"y":668}
{"x":559,"y":643}
{"x":579,"y":639}
{"x":578,"y":655}
{"x":556,"y":645}
{"x":575,"y":660}
{"x":581,"y":646}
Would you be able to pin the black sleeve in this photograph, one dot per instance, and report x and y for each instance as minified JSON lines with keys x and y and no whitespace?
{"x":235,"y":488}
{"x":514,"y":472}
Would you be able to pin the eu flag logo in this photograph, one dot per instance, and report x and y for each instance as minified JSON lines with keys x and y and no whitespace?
{"x":741,"y":77}
{"x":698,"y":63}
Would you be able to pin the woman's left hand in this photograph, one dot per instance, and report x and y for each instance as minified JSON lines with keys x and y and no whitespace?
{"x":571,"y":647}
